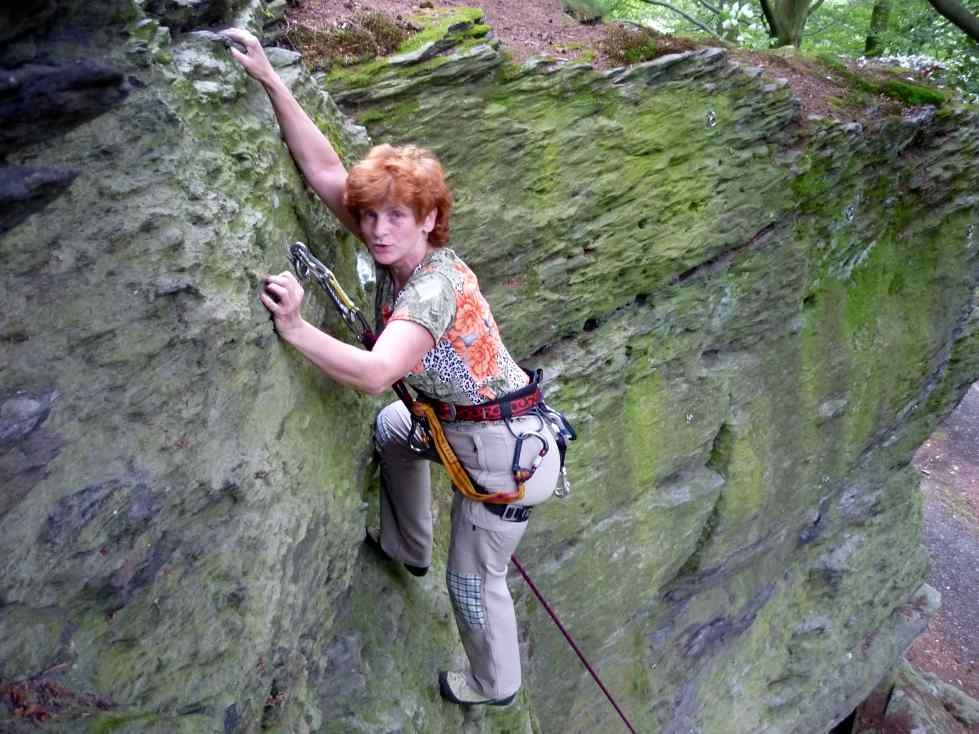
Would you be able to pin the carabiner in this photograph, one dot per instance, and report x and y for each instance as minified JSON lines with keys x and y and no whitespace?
{"x":419,"y":440}
{"x":519,"y":473}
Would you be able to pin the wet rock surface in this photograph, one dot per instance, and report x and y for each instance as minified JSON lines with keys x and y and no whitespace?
{"x":752,"y":321}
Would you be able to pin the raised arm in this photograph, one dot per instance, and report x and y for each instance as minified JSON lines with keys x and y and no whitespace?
{"x":319,"y":163}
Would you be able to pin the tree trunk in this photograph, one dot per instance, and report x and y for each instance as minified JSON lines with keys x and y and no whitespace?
{"x":786,"y":20}
{"x":769,"y":20}
{"x":878,"y":25}
{"x":959,"y":15}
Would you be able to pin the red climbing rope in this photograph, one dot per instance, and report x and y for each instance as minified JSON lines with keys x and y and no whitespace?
{"x":574,"y":645}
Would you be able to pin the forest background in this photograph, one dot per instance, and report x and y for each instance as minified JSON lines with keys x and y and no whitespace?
{"x":917,"y":34}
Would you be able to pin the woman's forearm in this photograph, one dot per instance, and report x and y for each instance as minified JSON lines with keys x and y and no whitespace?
{"x":340,"y":361}
{"x":309,"y":147}
{"x":400,"y":346}
{"x":317,"y":160}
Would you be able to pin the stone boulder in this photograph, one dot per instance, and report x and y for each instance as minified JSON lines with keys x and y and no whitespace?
{"x":752,"y":317}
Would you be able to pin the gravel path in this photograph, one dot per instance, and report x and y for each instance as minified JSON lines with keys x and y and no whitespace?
{"x":949,"y":463}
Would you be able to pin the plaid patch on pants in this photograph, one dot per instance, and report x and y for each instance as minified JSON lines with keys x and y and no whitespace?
{"x":465,"y":590}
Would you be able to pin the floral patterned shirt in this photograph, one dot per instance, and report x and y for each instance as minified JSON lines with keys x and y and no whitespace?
{"x":469,"y":363}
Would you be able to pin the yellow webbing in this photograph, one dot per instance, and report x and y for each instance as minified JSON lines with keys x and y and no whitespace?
{"x":341,"y":294}
{"x":457,"y":472}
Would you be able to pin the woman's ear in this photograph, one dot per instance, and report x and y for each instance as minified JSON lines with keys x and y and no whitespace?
{"x":429,"y":224}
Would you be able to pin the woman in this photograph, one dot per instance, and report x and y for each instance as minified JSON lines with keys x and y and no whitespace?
{"x":436,"y":332}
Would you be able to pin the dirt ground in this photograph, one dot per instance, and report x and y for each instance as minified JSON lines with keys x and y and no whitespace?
{"x":535,"y":28}
{"x":525,"y":27}
{"x":949,"y":464}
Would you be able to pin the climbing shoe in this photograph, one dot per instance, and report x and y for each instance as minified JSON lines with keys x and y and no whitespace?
{"x":372,"y":539}
{"x":454,"y":688}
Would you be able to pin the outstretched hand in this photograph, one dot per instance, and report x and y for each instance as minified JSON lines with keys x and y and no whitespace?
{"x":254,"y":62}
{"x":282,"y":295}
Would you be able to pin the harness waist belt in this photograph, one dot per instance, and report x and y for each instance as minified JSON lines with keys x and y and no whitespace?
{"x":511,"y":513}
{"x":509,"y":406}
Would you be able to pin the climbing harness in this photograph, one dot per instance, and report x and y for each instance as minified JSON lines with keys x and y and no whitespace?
{"x":428,"y":413}
{"x":426,"y":428}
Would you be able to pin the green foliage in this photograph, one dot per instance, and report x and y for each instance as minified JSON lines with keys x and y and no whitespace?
{"x":917,"y":38}
{"x":736,"y":21}
{"x":912,"y":94}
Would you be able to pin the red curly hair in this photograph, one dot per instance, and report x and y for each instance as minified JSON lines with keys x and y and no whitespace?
{"x":407,"y":176}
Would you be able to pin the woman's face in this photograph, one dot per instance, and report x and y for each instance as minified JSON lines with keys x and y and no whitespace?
{"x":392,"y":234}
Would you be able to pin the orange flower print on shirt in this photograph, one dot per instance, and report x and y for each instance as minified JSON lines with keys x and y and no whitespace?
{"x":469,"y":364}
{"x":469,"y":322}
{"x":481,"y":358}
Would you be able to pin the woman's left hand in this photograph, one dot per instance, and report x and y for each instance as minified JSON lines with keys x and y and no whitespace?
{"x":282,"y":295}
{"x":253,"y":61}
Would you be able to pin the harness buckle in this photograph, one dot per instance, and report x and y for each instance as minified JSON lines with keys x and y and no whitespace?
{"x":515,"y":513}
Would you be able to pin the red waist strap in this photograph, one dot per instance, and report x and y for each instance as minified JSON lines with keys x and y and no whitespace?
{"x":519,"y":402}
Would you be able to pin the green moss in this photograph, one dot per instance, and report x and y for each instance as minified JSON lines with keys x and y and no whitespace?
{"x":461,"y":27}
{"x":744,"y":490}
{"x":693,"y":563}
{"x":370,"y":116}
{"x":870,"y":320}
{"x":913,"y":94}
{"x":108,"y":723}
{"x":905,"y":92}
{"x":440,"y":23}
{"x":479,"y":30}
{"x":356,"y":76}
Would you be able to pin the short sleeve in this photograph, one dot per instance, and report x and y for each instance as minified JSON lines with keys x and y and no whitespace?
{"x":427,"y":299}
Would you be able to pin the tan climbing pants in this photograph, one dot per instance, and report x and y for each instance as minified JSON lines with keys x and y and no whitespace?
{"x":481,"y":543}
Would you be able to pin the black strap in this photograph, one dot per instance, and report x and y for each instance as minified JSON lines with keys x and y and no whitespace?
{"x":510,"y":513}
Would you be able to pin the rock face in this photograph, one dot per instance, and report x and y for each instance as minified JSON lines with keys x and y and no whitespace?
{"x":753,"y":318}
{"x":915,"y":701}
